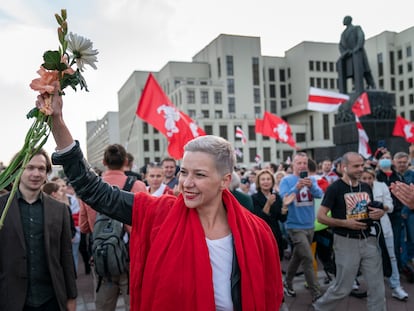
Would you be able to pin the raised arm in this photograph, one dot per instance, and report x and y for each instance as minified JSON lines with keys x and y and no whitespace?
{"x":88,"y":186}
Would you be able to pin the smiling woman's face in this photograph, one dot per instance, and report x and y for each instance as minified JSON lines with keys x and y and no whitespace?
{"x":200,"y":182}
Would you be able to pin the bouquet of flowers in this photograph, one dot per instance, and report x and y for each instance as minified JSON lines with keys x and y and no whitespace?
{"x":56,"y":73}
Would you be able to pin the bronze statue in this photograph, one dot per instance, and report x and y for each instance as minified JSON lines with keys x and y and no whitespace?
{"x":353,"y":62}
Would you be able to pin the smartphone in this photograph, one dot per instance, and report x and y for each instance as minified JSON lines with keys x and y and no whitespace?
{"x":303,"y":174}
{"x":381,"y":143}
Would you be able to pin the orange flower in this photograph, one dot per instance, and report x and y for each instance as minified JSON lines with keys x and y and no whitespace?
{"x":46,"y":109}
{"x":44,"y":83}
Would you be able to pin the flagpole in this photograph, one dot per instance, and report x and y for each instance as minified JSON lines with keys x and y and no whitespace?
{"x":130,"y":131}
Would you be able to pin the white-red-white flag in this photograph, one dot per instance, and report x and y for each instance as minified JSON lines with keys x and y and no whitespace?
{"x":240,"y":134}
{"x":361,"y":107}
{"x":363,"y":144}
{"x":238,"y":153}
{"x":325,"y":101}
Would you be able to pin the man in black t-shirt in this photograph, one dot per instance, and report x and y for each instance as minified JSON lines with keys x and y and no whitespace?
{"x":355,"y":242}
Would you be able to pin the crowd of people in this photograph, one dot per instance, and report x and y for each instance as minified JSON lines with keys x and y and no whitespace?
{"x":206,"y":228}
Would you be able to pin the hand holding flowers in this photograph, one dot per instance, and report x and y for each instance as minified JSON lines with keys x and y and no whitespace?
{"x":56,"y":73}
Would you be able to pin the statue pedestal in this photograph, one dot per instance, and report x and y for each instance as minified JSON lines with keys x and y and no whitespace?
{"x":378,"y":125}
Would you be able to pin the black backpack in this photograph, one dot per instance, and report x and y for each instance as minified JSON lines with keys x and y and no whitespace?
{"x":110,"y":254}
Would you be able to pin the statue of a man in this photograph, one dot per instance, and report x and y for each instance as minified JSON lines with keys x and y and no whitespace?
{"x":353,"y":62}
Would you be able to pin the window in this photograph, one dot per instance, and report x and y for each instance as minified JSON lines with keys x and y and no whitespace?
{"x":402,"y":101}
{"x":392,"y":84}
{"x":252,"y":132}
{"x":410,"y":83}
{"x":380,"y":62}
{"x":401,"y":85}
{"x":381,"y":84}
{"x":282,"y":76}
{"x":325,"y":83}
{"x":229,"y":65}
{"x":266,"y":154}
{"x":399,"y":54}
{"x":411,"y":114}
{"x":190,"y":96}
{"x":324,"y":66}
{"x":283,"y":91}
{"x":145,"y":127}
{"x":283,"y":104}
{"x":408,"y":51}
{"x":272,"y":91}
{"x":332,"y":83}
{"x":411,"y":99}
{"x":300,"y":137}
{"x":318,"y":66}
{"x":256,"y":95}
{"x":223,"y":131}
{"x":218,"y":67}
{"x":312,"y":81}
{"x":255,"y":71}
{"x":208,"y":129}
{"x":252,"y":154}
{"x":271,"y":74}
{"x":156,"y":145}
{"x":392,"y":62}
{"x":312,"y":136}
{"x":190,"y":82}
{"x":409,"y":67}
{"x":331,"y":67}
{"x":146,"y":145}
{"x":230,"y":86}
{"x":218,"y":114}
{"x":273,"y":106}
{"x":311,"y":65}
{"x":257,"y":110}
{"x":319,"y":82}
{"x":154,"y":130}
{"x":204,"y":97}
{"x":325,"y":126}
{"x":400,"y":69}
{"x":192,"y":113}
{"x":205,"y":113}
{"x":232,"y":105}
{"x":218,"y":100}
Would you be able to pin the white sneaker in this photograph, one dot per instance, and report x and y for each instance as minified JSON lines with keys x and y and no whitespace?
{"x":399,"y":293}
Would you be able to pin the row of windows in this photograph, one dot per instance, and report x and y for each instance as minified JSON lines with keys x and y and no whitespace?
{"x":410,"y":100}
{"x":282,"y":75}
{"x":321,"y":66}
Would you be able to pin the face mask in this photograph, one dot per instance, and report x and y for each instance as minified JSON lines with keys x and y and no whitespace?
{"x":385,"y":163}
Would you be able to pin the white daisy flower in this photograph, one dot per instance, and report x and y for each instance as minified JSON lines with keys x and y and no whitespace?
{"x":82,"y":51}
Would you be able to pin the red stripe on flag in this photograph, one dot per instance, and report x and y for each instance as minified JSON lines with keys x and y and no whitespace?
{"x":325,"y":100}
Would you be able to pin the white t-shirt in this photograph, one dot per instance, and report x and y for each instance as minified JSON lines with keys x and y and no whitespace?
{"x":221,"y":258}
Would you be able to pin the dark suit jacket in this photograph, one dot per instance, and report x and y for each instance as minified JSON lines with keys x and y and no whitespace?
{"x":13,"y":259}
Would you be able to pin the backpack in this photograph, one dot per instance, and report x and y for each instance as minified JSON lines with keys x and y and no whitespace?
{"x":110,"y":254}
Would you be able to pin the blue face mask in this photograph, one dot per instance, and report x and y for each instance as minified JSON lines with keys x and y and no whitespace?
{"x":384,"y":163}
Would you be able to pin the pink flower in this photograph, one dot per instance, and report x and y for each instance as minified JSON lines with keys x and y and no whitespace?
{"x":44,"y":83}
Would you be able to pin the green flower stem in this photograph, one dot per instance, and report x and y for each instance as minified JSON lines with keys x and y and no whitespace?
{"x":36,"y":137}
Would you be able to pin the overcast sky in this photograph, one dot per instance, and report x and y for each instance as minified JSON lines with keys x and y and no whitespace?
{"x":146,"y":34}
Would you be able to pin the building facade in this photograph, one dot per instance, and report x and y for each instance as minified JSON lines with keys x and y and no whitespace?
{"x":100,"y":134}
{"x":229,"y":84}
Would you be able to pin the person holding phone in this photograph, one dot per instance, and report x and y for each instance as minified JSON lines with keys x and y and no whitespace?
{"x":300,"y":223}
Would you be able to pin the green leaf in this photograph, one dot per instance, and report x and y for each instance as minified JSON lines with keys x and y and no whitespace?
{"x":34,"y":113}
{"x":52,"y":60}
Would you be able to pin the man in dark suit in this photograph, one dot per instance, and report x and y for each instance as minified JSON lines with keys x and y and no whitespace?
{"x":36,"y":264}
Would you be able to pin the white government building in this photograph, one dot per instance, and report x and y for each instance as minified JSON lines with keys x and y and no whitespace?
{"x":229,"y":83}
